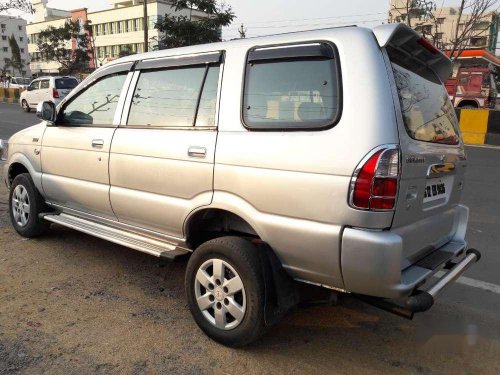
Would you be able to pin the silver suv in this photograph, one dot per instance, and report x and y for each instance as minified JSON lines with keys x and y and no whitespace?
{"x":329,"y":157}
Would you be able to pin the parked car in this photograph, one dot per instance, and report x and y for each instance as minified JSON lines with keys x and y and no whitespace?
{"x":259,"y":160}
{"x":42,"y":89}
{"x":19,"y":83}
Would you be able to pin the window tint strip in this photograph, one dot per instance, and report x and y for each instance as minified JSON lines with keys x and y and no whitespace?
{"x":295,"y":52}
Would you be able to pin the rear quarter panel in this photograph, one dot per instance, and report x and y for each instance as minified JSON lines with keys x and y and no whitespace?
{"x":293,"y":186}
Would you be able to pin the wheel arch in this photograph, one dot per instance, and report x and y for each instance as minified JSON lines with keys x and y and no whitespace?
{"x":211,"y":222}
{"x":19,"y":163}
{"x":465,"y":102}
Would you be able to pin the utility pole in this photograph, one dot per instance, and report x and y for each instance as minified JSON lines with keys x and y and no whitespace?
{"x":145,"y":26}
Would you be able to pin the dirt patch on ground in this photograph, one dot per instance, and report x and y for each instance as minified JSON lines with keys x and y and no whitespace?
{"x":74,"y":304}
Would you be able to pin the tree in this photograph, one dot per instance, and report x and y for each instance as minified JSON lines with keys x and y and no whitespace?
{"x":179,"y":31}
{"x":53,"y":46}
{"x":14,"y":62}
{"x":471,"y":14}
{"x":23,"y":5}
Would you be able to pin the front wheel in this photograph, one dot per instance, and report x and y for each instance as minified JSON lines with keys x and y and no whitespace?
{"x":226,"y":292}
{"x":26,"y":107}
{"x":25,"y":204}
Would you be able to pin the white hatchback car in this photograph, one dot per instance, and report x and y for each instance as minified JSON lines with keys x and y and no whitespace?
{"x":19,"y":83}
{"x":42,"y":89}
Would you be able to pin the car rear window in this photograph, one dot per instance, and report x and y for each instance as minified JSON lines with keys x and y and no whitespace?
{"x":428,"y":114}
{"x":293,"y":87}
{"x":66,"y":83}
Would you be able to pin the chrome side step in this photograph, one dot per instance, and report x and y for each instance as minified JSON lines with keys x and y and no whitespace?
{"x":144,"y":244}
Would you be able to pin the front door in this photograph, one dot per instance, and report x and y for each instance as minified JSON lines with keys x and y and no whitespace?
{"x":32,"y":93}
{"x":161,"y":162}
{"x":75,"y":151}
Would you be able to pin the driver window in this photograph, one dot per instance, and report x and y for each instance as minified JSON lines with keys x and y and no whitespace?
{"x":35,"y":85}
{"x":96,"y":105}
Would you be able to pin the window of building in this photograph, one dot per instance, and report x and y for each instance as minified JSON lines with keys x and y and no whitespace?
{"x":20,"y":28}
{"x":22,"y":50}
{"x":127,"y":26}
{"x":137,"y":24}
{"x":21,"y":39}
{"x":291,"y":88}
{"x":478,"y":41}
{"x":439,"y":36}
{"x":96,"y":105}
{"x":111,"y":27}
{"x":4,"y":37}
{"x":6,"y":49}
{"x":168,"y":98}
{"x":104,"y":28}
{"x":2,"y":26}
{"x":440,"y":21}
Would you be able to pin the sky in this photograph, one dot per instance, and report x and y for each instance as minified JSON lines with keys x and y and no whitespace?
{"x":264,"y":17}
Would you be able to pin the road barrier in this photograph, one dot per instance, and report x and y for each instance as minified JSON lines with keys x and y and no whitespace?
{"x":479,"y":126}
{"x":9,"y":95}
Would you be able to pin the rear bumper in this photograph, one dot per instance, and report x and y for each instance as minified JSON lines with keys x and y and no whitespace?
{"x":372,"y":261}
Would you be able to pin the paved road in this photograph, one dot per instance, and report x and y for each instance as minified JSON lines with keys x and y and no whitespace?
{"x":73,"y":304}
{"x":13,"y":119}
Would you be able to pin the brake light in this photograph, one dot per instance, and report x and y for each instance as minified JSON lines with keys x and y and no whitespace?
{"x":55,"y":94}
{"x":374,"y":184}
{"x":428,"y":45}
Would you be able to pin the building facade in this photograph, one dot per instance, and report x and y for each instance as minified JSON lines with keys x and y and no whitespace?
{"x":444,"y":24}
{"x":16,"y":27}
{"x":116,"y":30}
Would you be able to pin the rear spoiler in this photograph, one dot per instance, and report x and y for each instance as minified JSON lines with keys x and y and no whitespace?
{"x":412,"y":46}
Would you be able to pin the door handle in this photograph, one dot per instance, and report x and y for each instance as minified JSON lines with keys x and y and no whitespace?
{"x":197,"y":152}
{"x":97,"y":143}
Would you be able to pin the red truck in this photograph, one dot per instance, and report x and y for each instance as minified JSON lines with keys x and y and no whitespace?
{"x":473,"y":87}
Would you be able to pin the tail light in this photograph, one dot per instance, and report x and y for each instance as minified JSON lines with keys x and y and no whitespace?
{"x":55,"y":94}
{"x":374,"y":184}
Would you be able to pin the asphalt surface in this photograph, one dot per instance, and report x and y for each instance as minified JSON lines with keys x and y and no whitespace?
{"x":74,"y":304}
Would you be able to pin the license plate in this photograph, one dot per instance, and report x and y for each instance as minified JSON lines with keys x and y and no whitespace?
{"x":438,"y":188}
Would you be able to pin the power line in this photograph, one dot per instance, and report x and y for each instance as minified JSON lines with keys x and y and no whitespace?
{"x":314,"y":19}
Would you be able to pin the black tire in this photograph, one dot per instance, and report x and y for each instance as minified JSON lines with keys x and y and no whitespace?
{"x":34,"y":226}
{"x":26,"y":107}
{"x":244,"y":257}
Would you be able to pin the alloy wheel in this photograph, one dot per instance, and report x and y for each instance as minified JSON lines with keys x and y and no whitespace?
{"x":220,"y":294}
{"x":21,"y":205}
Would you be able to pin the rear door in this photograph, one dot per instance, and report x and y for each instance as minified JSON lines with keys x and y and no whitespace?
{"x":162,"y":156}
{"x":433,"y":158}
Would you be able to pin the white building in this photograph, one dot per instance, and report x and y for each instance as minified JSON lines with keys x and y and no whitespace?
{"x":115,"y":29}
{"x":13,"y":26}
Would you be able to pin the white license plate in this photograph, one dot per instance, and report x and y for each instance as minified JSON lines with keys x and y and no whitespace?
{"x":438,"y":188}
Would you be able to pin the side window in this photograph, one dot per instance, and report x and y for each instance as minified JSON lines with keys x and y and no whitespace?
{"x":44,"y":84}
{"x":96,"y":105}
{"x":208,"y":99}
{"x":35,"y":85}
{"x":169,"y":97}
{"x":291,"y":88}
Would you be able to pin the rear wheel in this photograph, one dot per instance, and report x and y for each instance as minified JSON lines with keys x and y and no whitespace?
{"x":225,"y":290}
{"x":25,"y":204}
{"x":25,"y":105}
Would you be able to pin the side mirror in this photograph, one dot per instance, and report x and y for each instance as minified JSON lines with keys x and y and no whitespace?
{"x":46,"y":111}
{"x":29,"y":88}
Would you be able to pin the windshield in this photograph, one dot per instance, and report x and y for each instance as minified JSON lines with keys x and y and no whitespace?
{"x":66,"y":83}
{"x":427,"y":111}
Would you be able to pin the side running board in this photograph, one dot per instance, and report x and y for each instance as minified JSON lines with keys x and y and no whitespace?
{"x":168,"y":251}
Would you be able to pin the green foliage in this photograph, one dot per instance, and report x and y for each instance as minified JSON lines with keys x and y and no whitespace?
{"x":54,"y":44}
{"x":179,"y":31}
{"x":15,"y":62}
